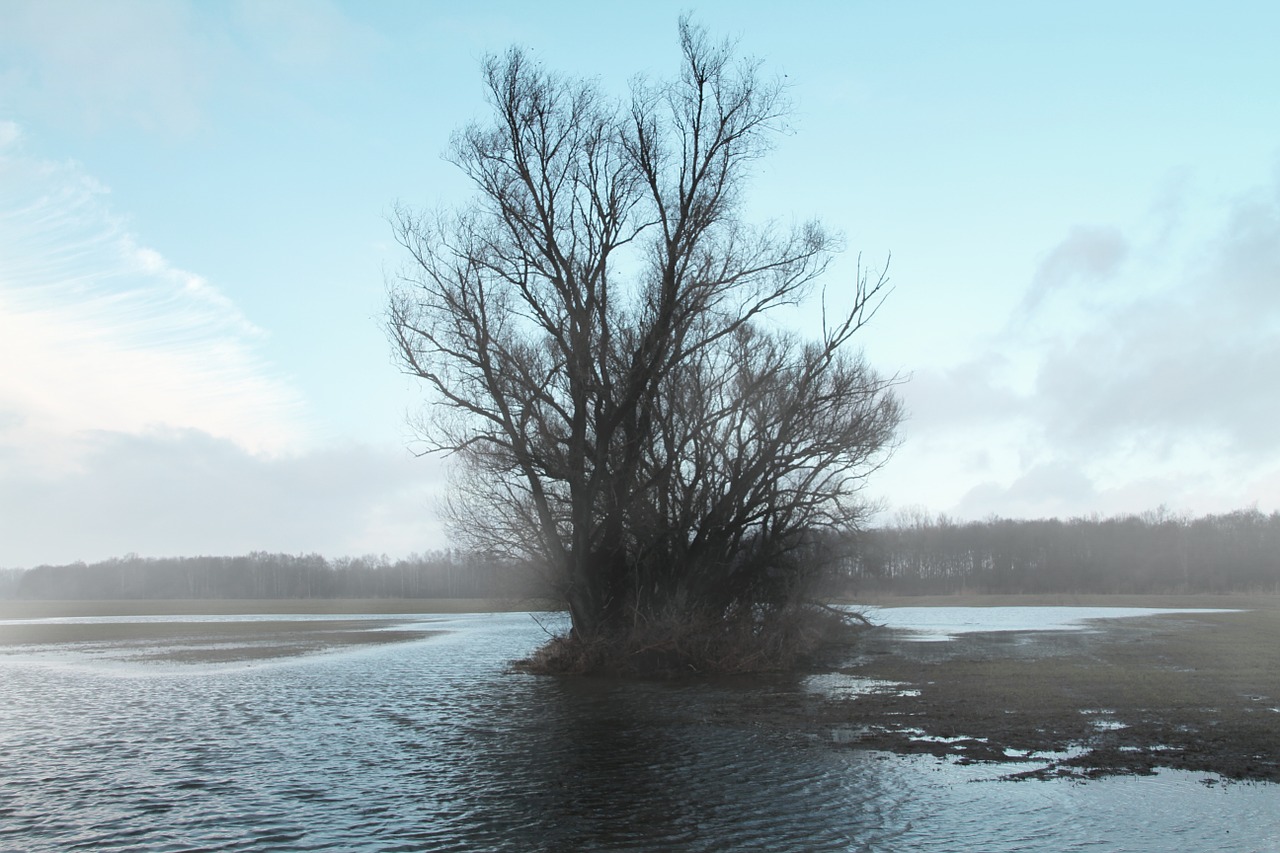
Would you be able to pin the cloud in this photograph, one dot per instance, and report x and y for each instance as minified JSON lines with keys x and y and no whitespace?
{"x":1045,"y":491}
{"x":1158,"y":391}
{"x":1088,"y":254}
{"x":1194,"y":358}
{"x":1066,"y":488}
{"x":974,"y":391}
{"x":184,"y":492}
{"x":133,"y":61}
{"x":100,"y":332}
{"x":1243,"y":263}
{"x":1166,"y":370}
{"x":137,"y":413}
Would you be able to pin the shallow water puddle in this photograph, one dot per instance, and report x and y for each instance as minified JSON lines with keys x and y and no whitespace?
{"x":1105,"y":721}
{"x":839,"y":685}
{"x":939,"y":624}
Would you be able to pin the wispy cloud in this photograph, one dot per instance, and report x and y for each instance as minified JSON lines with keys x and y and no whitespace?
{"x":100,"y":332}
{"x":137,"y":413}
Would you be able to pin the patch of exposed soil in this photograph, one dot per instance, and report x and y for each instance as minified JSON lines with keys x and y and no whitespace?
{"x":1195,"y":692}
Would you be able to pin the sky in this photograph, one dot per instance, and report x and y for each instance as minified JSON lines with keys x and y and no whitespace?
{"x":1078,"y":204}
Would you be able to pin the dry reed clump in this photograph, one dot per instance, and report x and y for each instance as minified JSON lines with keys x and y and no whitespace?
{"x":678,"y":645}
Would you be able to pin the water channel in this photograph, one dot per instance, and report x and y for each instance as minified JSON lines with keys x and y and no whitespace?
{"x":431,"y":744}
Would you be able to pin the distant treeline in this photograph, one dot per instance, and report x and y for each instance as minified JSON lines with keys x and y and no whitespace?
{"x":263,"y":575}
{"x":1151,"y":553}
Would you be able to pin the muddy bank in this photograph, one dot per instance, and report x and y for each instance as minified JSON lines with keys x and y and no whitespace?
{"x":201,"y":642}
{"x":1196,"y":692}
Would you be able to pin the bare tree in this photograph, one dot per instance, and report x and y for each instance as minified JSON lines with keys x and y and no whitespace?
{"x":590,"y":328}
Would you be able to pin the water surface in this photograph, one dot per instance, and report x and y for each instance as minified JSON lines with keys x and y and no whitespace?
{"x":432,"y":745}
{"x":943,"y":623}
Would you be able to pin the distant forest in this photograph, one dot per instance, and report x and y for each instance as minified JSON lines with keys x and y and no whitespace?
{"x":263,"y":575}
{"x":922,"y":555}
{"x":1154,"y":552}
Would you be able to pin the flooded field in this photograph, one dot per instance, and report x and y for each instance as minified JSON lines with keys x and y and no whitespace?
{"x":406,"y":734}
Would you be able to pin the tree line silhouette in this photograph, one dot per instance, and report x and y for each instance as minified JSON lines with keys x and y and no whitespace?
{"x":1155,"y":552}
{"x":444,"y":574}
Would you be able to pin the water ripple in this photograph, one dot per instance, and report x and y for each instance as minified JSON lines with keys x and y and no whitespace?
{"x":433,"y":746}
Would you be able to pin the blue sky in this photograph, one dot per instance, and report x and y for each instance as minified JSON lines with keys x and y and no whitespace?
{"x":1082,"y":202}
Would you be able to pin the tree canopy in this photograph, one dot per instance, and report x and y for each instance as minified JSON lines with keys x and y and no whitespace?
{"x":594,"y":330}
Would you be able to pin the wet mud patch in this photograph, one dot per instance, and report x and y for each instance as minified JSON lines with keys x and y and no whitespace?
{"x":1190,"y":692}
{"x":192,"y":642}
